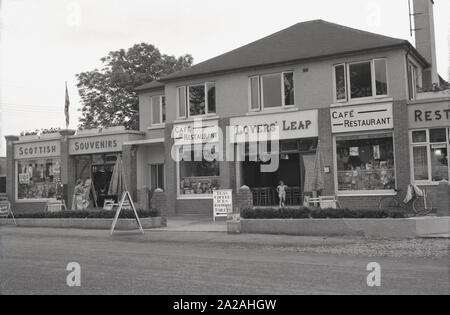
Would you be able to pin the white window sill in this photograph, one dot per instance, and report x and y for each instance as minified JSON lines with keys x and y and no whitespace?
{"x":192,"y":119}
{"x":34,"y":200}
{"x":375,"y":193}
{"x":195,"y":197}
{"x":277,"y":110}
{"x":155,"y":127}
{"x":426,"y":183}
{"x":363,"y":101}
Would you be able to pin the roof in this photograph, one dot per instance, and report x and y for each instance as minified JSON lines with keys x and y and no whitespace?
{"x":303,"y":41}
{"x":154,"y":85}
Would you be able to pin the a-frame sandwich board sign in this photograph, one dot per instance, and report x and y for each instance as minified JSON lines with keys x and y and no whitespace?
{"x":126,"y":199}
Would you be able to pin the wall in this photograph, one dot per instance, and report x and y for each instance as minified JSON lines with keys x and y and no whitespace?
{"x":148,"y":154}
{"x":145,"y":110}
{"x":313,"y":89}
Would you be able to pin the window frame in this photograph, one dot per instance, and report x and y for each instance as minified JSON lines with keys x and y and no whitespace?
{"x":350,"y":193}
{"x":205,"y":89}
{"x":161,"y":116}
{"x":157,"y":165}
{"x":348,"y":81}
{"x":261,"y":106}
{"x":428,"y":145}
{"x":185,"y":102}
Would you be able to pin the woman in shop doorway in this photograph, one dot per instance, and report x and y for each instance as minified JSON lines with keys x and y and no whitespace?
{"x":281,"y":189}
{"x":79,"y":196}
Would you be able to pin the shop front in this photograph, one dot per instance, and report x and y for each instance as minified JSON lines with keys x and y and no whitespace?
{"x":364,"y":151}
{"x":290,"y":154}
{"x":36,"y":173}
{"x":93,"y":155}
{"x":429,"y":143}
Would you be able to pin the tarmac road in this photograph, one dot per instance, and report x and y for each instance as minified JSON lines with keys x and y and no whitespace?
{"x":34,"y":261}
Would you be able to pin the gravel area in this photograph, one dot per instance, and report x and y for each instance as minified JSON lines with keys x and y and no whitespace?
{"x":417,"y":248}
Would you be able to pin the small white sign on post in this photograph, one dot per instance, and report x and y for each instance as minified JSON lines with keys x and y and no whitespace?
{"x":223,"y":203}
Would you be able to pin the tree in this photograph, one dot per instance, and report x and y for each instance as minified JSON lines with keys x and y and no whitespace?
{"x":108,"y":96}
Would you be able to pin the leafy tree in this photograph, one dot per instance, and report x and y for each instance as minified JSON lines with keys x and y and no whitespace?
{"x":108,"y":95}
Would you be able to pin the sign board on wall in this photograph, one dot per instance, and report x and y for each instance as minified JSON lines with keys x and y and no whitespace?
{"x":97,"y":144}
{"x":223,"y":202}
{"x":362,"y":118}
{"x":196,"y":132}
{"x":34,"y":150}
{"x":291,"y":125}
{"x":429,"y":115}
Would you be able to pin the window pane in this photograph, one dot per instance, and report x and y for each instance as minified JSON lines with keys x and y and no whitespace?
{"x":365,"y":164}
{"x":254,"y":87}
{"x":439,"y":162}
{"x":419,"y":136}
{"x":341,"y":90}
{"x":272,"y":90}
{"x":156,"y":110}
{"x":197,"y":175}
{"x":361,"y":80}
{"x":438,"y":135}
{"x":161,"y":176}
{"x":289,"y":89}
{"x":182,"y":101}
{"x":163,"y":108}
{"x":412,"y":81}
{"x":197,"y":100}
{"x":39,"y":179}
{"x":381,"y":77}
{"x":211,"y":88}
{"x":420,"y":158}
{"x":154,"y":177}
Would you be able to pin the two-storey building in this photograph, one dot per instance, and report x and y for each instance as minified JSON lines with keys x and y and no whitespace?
{"x":345,"y":91}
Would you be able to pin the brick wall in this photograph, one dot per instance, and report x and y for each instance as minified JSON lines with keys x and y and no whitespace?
{"x":326,"y":145}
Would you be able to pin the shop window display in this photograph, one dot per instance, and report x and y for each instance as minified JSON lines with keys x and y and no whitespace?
{"x":38,"y":179}
{"x":365,"y":164}
{"x":198,"y":175}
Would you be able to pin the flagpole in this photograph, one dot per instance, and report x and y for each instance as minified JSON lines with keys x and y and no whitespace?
{"x":66,"y":108}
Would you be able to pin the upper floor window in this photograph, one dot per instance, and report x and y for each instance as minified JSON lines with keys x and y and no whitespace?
{"x":271,"y":91}
{"x":158,"y":110}
{"x":360,"y":80}
{"x":197,"y":100}
{"x":412,"y":81}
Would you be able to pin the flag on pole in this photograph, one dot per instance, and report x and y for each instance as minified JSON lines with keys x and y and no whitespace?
{"x":66,"y":108}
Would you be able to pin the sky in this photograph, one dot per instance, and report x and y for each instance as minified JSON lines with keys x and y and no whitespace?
{"x":44,"y":43}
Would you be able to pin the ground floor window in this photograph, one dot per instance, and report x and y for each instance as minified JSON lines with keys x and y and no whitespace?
{"x":38,"y":179}
{"x":198,"y":174}
{"x":365,"y":163}
{"x":429,"y":154}
{"x":156,"y":176}
{"x":2,"y":184}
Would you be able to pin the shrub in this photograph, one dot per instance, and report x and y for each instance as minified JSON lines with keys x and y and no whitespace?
{"x":305,"y":213}
{"x":91,"y":214}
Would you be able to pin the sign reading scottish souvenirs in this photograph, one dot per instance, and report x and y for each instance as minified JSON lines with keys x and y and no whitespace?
{"x":33,"y":150}
{"x":98,"y":144}
{"x":361,"y":118}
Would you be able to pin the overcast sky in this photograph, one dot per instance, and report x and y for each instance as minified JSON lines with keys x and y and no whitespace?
{"x":46,"y":42}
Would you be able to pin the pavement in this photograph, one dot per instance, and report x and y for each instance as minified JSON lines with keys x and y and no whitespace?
{"x":34,"y":261}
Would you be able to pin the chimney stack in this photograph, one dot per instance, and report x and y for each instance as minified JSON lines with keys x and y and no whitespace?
{"x":425,"y":39}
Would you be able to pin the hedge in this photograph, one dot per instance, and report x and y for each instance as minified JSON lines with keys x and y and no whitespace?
{"x":92,"y":214}
{"x":307,"y":213}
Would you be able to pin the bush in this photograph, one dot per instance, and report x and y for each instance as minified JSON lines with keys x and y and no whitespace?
{"x":306,"y":213}
{"x":92,"y":214}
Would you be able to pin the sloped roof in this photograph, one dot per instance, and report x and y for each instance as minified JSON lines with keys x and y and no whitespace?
{"x":302,"y":41}
{"x":154,"y":85}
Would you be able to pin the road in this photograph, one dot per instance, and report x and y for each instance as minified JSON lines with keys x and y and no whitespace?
{"x":34,"y":261}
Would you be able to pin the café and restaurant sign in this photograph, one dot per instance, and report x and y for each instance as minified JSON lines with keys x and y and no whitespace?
{"x":43,"y":149}
{"x":362,"y":118}
{"x":197,"y":132}
{"x":429,"y":115}
{"x":289,"y":125}
{"x":97,"y":144}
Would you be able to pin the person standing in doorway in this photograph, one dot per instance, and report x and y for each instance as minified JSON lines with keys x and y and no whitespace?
{"x":281,"y":189}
